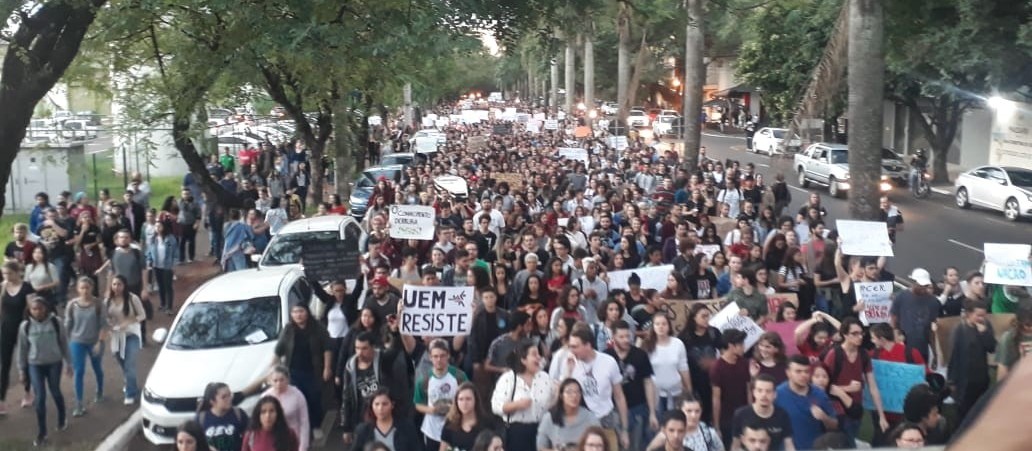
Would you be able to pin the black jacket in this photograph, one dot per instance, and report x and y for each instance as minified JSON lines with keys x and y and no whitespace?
{"x":406,"y":436}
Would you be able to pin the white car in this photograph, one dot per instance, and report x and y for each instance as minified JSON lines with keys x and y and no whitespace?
{"x":637,"y":118}
{"x":285,"y":247}
{"x":610,"y":108}
{"x":1001,"y":188}
{"x":664,"y":123}
{"x":768,"y":139}
{"x":225,"y":332}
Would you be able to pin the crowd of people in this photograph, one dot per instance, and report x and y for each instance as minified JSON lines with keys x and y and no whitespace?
{"x":556,"y":359}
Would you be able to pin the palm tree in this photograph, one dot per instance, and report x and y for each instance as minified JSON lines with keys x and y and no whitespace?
{"x":866,"y":91}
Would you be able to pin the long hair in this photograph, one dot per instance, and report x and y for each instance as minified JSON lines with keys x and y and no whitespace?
{"x":558,"y":411}
{"x":775,"y":340}
{"x":484,"y":439}
{"x":127,"y":296}
{"x":564,"y":297}
{"x":453,"y":420}
{"x":210,"y":392}
{"x":382,"y":391}
{"x":196,"y":431}
{"x":282,"y":437}
{"x":651,"y":340}
{"x":1022,"y":317}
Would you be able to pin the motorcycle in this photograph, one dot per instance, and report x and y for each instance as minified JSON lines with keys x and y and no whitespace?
{"x":922,"y":187}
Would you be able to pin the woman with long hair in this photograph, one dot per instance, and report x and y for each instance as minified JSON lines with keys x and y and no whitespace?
{"x":367,"y":321}
{"x":697,"y":434}
{"x":628,"y":249}
{"x":522,"y":397}
{"x":669,"y":360}
{"x":465,"y":419}
{"x":567,"y":420}
{"x":769,"y":358}
{"x":316,"y":366}
{"x":500,"y":282}
{"x":675,"y":287}
{"x":268,"y":430}
{"x":41,"y":354}
{"x":381,"y":423}
{"x":700,"y":281}
{"x":701,"y":343}
{"x":125,"y":313}
{"x":162,"y":255}
{"x":533,"y":293}
{"x":719,"y":264}
{"x":488,"y":441}
{"x":13,"y":305}
{"x":219,"y":421}
{"x":774,"y":251}
{"x":609,"y":312}
{"x":568,"y":306}
{"x":87,"y":330}
{"x":43,"y":276}
{"x":291,"y":406}
{"x":190,"y":437}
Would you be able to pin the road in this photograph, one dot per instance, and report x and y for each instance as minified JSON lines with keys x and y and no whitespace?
{"x":937,"y":234}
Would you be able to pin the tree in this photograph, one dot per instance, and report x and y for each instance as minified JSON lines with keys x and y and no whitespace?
{"x":41,"y":47}
{"x":694,"y":79}
{"x":866,"y":91}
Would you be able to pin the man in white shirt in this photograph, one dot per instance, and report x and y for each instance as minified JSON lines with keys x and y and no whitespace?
{"x":601,"y":381}
{"x":497,"y":220}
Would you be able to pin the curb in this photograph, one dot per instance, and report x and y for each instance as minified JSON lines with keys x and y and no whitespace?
{"x":944,"y":192}
{"x":118,"y":440}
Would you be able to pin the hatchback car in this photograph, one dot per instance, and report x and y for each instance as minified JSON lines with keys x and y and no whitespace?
{"x":637,"y":118}
{"x":768,"y":140}
{"x":1001,"y":188}
{"x":226,"y":332}
{"x":363,"y":186}
{"x":285,"y":247}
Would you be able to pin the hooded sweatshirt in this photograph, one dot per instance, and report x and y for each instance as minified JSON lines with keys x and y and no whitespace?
{"x":41,"y":342}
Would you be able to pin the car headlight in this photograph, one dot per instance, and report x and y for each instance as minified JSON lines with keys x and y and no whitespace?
{"x":152,"y":397}
{"x":1029,"y":196}
{"x":885,"y":186}
{"x":845,"y":176}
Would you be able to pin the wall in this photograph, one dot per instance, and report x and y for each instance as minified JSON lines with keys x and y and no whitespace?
{"x":44,"y":169}
{"x":975,"y":134}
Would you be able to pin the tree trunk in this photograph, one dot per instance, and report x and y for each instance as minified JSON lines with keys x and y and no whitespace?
{"x":866,"y":74}
{"x":38,"y":53}
{"x":571,"y":74}
{"x":196,"y":164}
{"x":940,"y":125}
{"x":623,"y":58}
{"x":553,"y":103}
{"x":694,"y":79}
{"x":632,"y":85}
{"x":407,"y":93}
{"x":589,"y":73}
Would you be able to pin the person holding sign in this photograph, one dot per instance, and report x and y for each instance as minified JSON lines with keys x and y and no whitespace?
{"x":752,"y":301}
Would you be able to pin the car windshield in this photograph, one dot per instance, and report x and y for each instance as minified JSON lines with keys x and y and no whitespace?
{"x":207,"y":325}
{"x":375,"y":174}
{"x":396,"y":159}
{"x":839,"y":156}
{"x":779,"y":134}
{"x":887,"y":154}
{"x":1020,"y":178}
{"x":285,"y":249}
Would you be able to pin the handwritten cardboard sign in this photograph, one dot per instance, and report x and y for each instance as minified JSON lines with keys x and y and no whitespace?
{"x":730,"y":318}
{"x":708,"y":249}
{"x":412,"y":222}
{"x":574,"y":153}
{"x":1008,"y":264}
{"x":944,"y":327}
{"x":864,"y":238}
{"x":551,"y":124}
{"x":877,"y":299}
{"x":894,"y":382}
{"x":677,"y":310}
{"x":436,"y":311}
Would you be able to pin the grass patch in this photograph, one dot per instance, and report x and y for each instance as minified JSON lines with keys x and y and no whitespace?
{"x":106,"y":176}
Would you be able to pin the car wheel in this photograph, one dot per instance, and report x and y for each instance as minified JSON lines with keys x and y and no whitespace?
{"x":833,"y":187}
{"x":802,"y":178}
{"x":962,"y":198}
{"x":1011,"y":209}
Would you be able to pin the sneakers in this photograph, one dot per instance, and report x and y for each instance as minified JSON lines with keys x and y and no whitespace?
{"x":63,"y":426}
{"x":129,"y":401}
{"x":99,"y":398}
{"x":79,"y":411}
{"x":27,"y":401}
{"x":40,"y":442}
{"x":317,"y":434}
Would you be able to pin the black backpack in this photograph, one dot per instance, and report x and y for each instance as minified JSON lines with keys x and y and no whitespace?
{"x":53,"y":321}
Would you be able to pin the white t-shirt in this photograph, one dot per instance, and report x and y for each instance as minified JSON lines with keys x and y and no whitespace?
{"x":667,"y":362}
{"x":497,"y":221}
{"x":597,"y":379}
{"x":336,"y":322}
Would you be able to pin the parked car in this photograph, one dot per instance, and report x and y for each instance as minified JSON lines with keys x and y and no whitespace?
{"x":665,"y":123}
{"x":1001,"y":188}
{"x":363,"y":187}
{"x":638,"y":118}
{"x":234,"y":141}
{"x":91,"y":117}
{"x":828,"y":164}
{"x":610,"y":108}
{"x":77,"y":129}
{"x":285,"y":247}
{"x":768,"y":140}
{"x":226,"y":331}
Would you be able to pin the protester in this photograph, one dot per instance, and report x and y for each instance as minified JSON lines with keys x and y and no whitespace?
{"x":383,"y":426}
{"x":42,"y":352}
{"x":125,"y":315}
{"x":87,"y":327}
{"x":221,"y":423}
{"x":807,"y":406}
{"x":269,"y":430}
{"x":190,"y":437}
{"x":522,"y":397}
{"x":291,"y":408}
{"x":13,"y":308}
{"x":729,"y":377}
{"x":763,"y":413}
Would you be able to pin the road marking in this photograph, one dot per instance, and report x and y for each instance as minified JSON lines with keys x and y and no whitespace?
{"x":763,"y":165}
{"x":801,"y":190}
{"x":966,"y":246}
{"x":711,"y":135}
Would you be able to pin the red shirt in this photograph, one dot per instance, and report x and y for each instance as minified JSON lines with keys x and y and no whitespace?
{"x":851,"y":371}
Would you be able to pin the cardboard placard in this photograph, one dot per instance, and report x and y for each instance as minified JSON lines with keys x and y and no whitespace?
{"x":708,"y":249}
{"x":877,"y":299}
{"x":677,"y":310}
{"x":476,"y":143}
{"x":785,"y":330}
{"x":582,"y":132}
{"x":944,"y":327}
{"x":328,"y":260}
{"x":730,"y":318}
{"x":501,"y":129}
{"x":513,"y":179}
{"x":724,"y":225}
{"x":551,"y":124}
{"x":894,"y":382}
{"x":864,"y":238}
{"x":412,"y":222}
{"x":436,"y":311}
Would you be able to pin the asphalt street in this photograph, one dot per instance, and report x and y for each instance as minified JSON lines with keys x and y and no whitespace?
{"x":937,"y":234}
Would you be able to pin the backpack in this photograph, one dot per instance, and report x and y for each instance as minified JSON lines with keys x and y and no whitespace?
{"x":840,"y":357}
{"x":53,"y":321}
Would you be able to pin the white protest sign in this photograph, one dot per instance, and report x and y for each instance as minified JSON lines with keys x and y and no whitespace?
{"x":654,"y":277}
{"x":441,"y":123}
{"x":534,"y":127}
{"x":436,"y":311}
{"x":731,"y":318}
{"x":618,"y":142}
{"x":864,"y":238}
{"x":412,"y":222}
{"x":587,"y":224}
{"x":551,"y":124}
{"x":522,"y":117}
{"x":375,"y":120}
{"x":427,"y":122}
{"x":574,"y":153}
{"x":877,"y":299}
{"x":708,"y":249}
{"x":1008,"y":264}
{"x":539,"y":116}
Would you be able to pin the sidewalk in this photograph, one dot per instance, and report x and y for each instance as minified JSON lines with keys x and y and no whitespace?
{"x":18,"y":428}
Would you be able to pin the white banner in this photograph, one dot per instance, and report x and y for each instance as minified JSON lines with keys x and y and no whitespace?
{"x":877,"y":299}
{"x":441,"y":123}
{"x":708,"y":249}
{"x":730,"y":317}
{"x":436,"y":311}
{"x":539,"y":116}
{"x":375,"y":120}
{"x":574,"y":153}
{"x":551,"y":124}
{"x":618,"y":142}
{"x":1008,"y":264}
{"x":427,"y":122}
{"x":534,"y":127}
{"x":864,"y":238}
{"x":654,"y":277}
{"x":412,"y":222}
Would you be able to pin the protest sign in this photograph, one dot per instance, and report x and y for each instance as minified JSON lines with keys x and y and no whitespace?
{"x":775,"y":300}
{"x":412,"y":222}
{"x":501,"y":129}
{"x":724,"y":225}
{"x":864,"y":238}
{"x":617,"y":142}
{"x":436,"y":311}
{"x":534,"y":127}
{"x":513,"y":179}
{"x":677,"y":310}
{"x":877,"y":299}
{"x":476,"y":143}
{"x":582,"y":132}
{"x":574,"y":153}
{"x":325,"y":260}
{"x":944,"y":327}
{"x":1008,"y":264}
{"x":441,"y":123}
{"x":539,"y":116}
{"x":894,"y":382}
{"x":522,"y":117}
{"x":428,"y":122}
{"x":785,"y":330}
{"x":587,"y":224}
{"x":375,"y":120}
{"x":730,"y":318}
{"x":708,"y":249}
{"x":551,"y":124}
{"x":653,"y":277}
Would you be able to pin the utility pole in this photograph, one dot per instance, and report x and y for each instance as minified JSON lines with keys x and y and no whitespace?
{"x":553,"y":104}
{"x":407,"y":93}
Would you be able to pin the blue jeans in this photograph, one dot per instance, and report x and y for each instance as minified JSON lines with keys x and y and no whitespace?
{"x":851,"y":428}
{"x":128,"y":364}
{"x":638,"y":430}
{"x":41,"y":377}
{"x":79,"y":353}
{"x":64,"y":276}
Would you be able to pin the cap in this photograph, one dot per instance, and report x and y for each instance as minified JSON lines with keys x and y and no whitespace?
{"x":921,"y":276}
{"x":381,"y":281}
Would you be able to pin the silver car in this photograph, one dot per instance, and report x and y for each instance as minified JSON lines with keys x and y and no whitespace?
{"x":1001,"y":188}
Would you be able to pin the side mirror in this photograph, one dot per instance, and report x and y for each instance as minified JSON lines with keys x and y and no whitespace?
{"x":255,"y":258}
{"x":159,"y":335}
{"x":1002,"y":182}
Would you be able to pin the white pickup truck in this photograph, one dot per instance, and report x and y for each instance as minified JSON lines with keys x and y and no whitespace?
{"x":828,"y":164}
